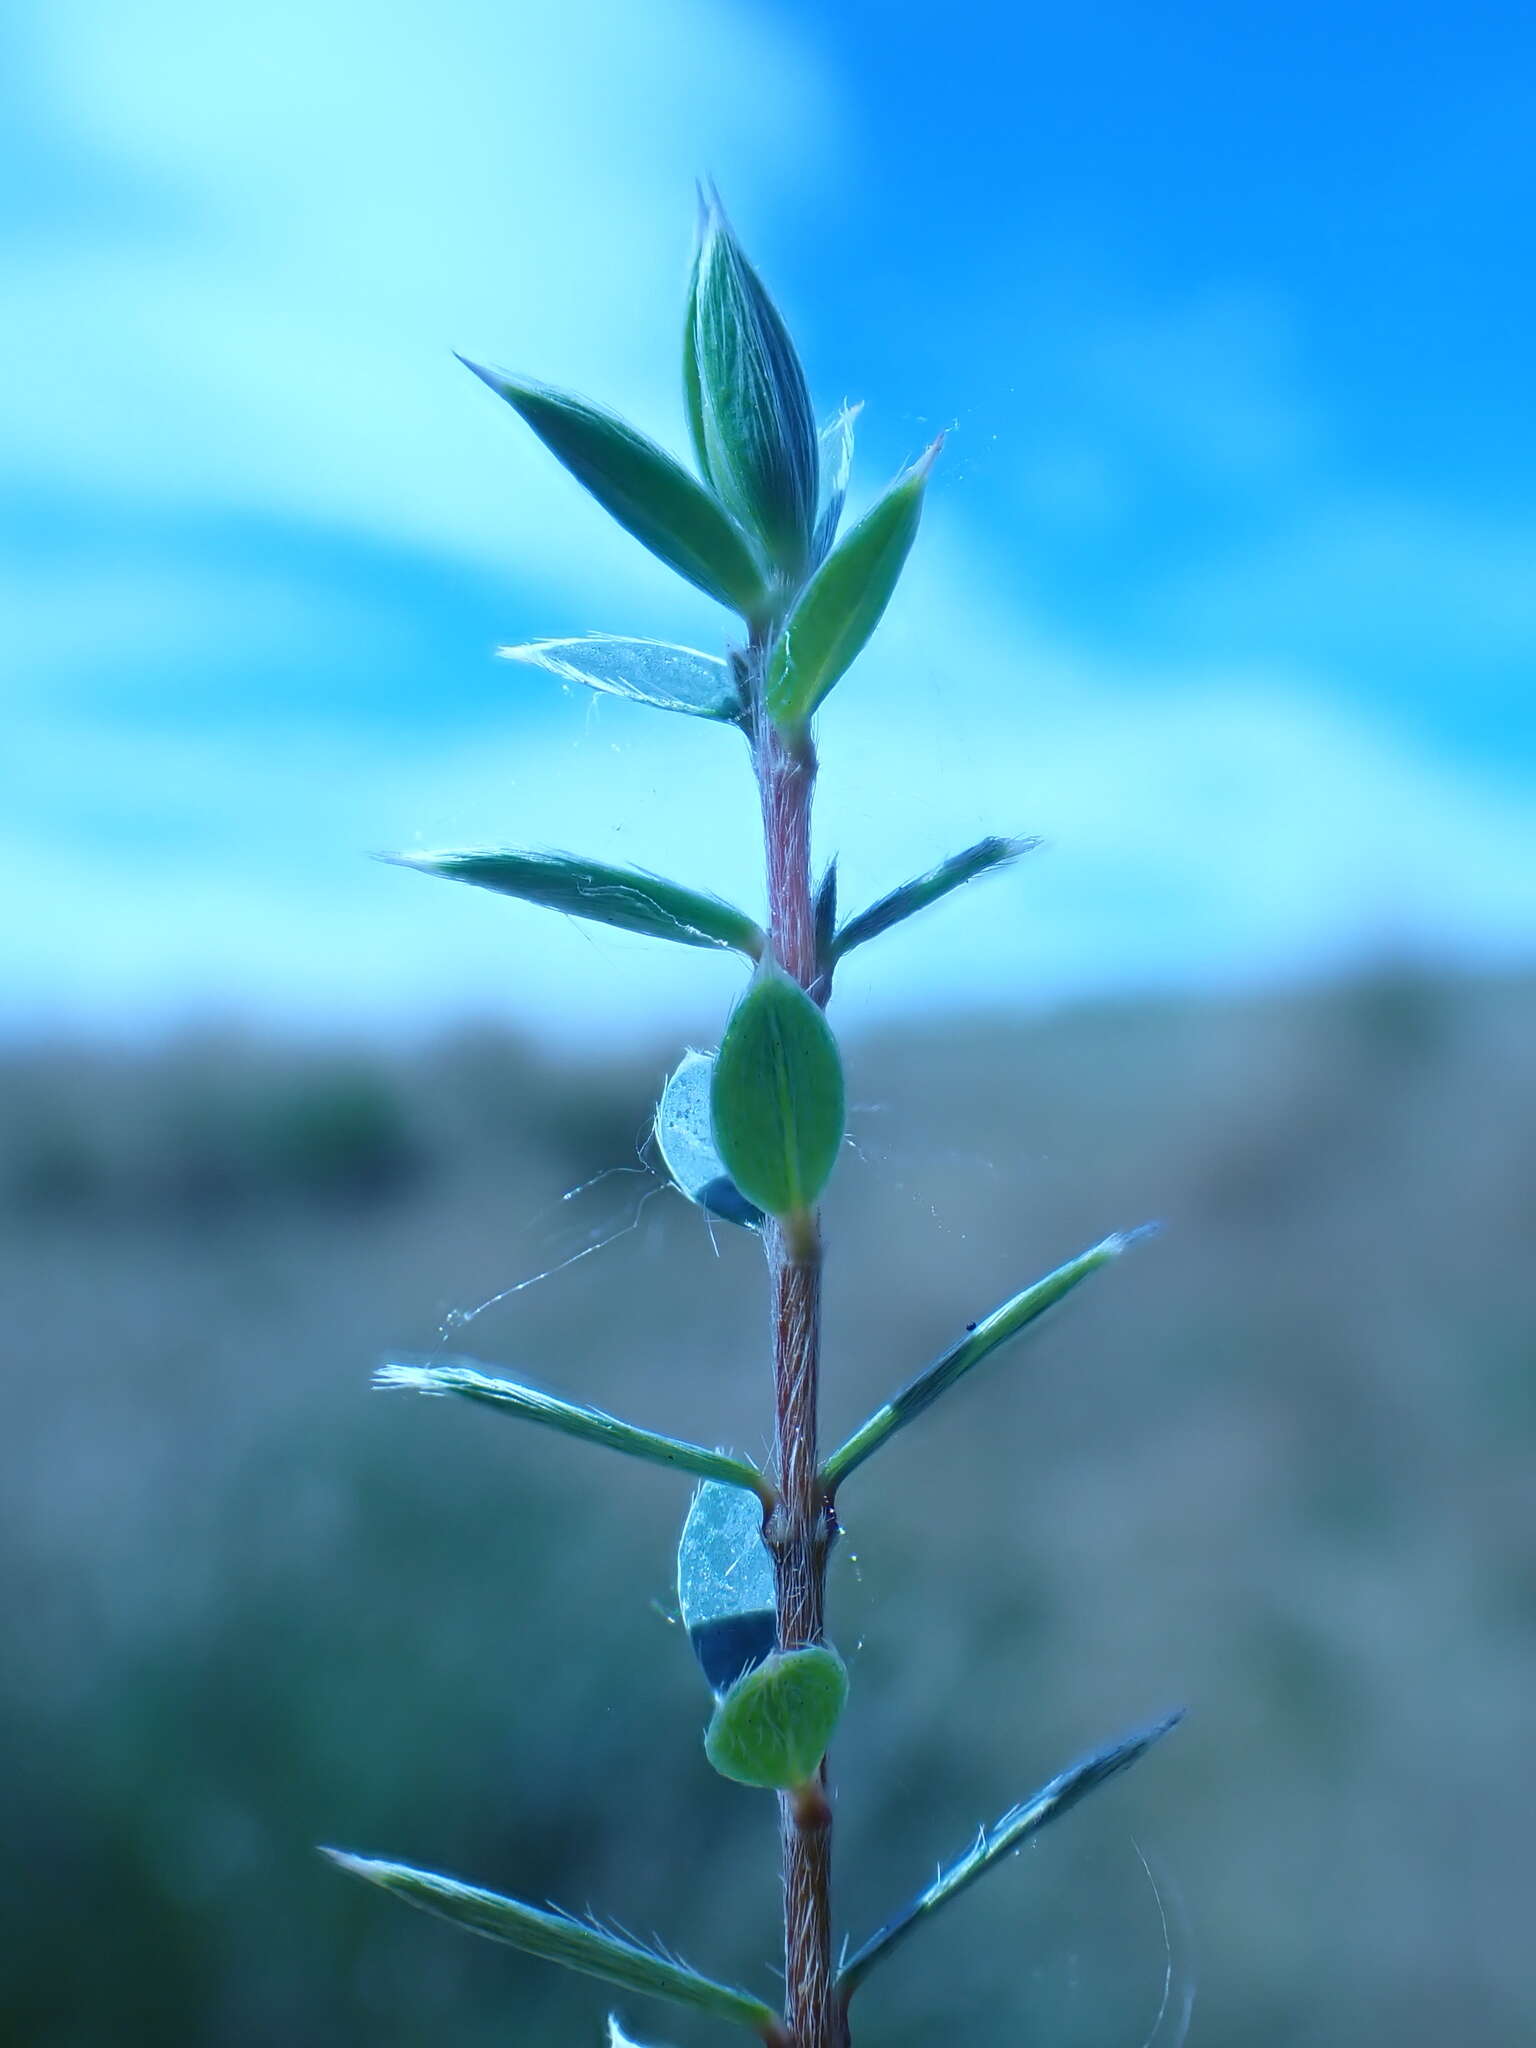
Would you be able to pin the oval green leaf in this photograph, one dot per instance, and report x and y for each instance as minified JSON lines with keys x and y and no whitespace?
{"x":843,"y":603}
{"x":776,"y":1098}
{"x":773,"y":1727}
{"x":648,"y":493}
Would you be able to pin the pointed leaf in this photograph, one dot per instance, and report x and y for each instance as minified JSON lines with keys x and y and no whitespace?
{"x":648,"y":493}
{"x":693,"y":395}
{"x":979,"y":1342}
{"x":773,"y":1727}
{"x":837,"y":466}
{"x":575,"y":1944}
{"x":917,"y":894}
{"x":725,"y":1588}
{"x":842,"y":604}
{"x":626,"y":897}
{"x":687,"y":1144}
{"x":826,"y":920}
{"x":992,"y":1844}
{"x":645,"y":671}
{"x":776,"y":1099}
{"x":571,"y":1418}
{"x":747,"y":400}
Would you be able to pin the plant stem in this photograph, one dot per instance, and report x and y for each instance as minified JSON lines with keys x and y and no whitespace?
{"x":786,"y":778}
{"x":800,"y":1531}
{"x":799,"y":1539}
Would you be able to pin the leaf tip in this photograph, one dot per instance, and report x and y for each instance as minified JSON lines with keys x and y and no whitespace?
{"x":920,"y":469}
{"x":1139,"y":1235}
{"x":416,"y":1379}
{"x":1119,"y":1241}
{"x":487,"y":377}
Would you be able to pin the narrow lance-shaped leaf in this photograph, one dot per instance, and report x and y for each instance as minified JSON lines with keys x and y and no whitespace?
{"x":571,"y":1418}
{"x":625,"y":897}
{"x":693,"y":395}
{"x":645,"y":671}
{"x":649,"y":493}
{"x":992,"y":1844}
{"x":773,"y":1727}
{"x":917,"y":894}
{"x":844,"y":601}
{"x":575,"y":1944}
{"x":837,"y":450}
{"x":979,"y":1342}
{"x":825,"y":919}
{"x":687,"y":1145}
{"x":748,"y":404}
{"x":776,"y":1099}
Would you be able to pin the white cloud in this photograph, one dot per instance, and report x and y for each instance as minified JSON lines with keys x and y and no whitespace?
{"x":304,"y":207}
{"x":1212,"y":383}
{"x":1201,"y":829}
{"x":86,"y":619}
{"x":322,"y":198}
{"x":1382,"y":570}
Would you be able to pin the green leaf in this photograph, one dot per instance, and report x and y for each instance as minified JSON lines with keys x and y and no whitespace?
{"x":979,"y":1342}
{"x":626,"y":897}
{"x":773,"y":1727}
{"x":837,"y":440}
{"x":776,"y":1100}
{"x":825,"y":917}
{"x":917,"y":894}
{"x":575,"y":1944}
{"x":687,"y":1146}
{"x":693,"y":395}
{"x":725,"y":1589}
{"x":649,"y":494}
{"x":645,"y":671}
{"x":591,"y":1425}
{"x":748,"y":406}
{"x":992,"y":1844}
{"x":842,"y":604}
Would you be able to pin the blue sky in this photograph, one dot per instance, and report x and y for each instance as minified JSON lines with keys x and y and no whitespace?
{"x":1227,"y":581}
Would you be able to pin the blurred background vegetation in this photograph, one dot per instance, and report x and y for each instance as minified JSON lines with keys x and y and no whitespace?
{"x":1277,"y":1464}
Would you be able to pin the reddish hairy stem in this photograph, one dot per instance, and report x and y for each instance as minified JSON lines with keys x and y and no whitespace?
{"x":800,"y":1530}
{"x":786,"y":778}
{"x":799,"y":1537}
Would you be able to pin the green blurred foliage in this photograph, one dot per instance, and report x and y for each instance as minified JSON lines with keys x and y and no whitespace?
{"x":1276,"y":1463}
